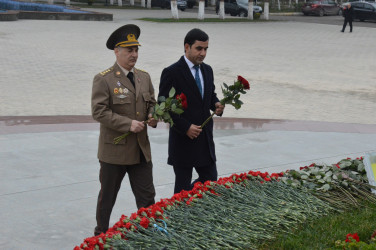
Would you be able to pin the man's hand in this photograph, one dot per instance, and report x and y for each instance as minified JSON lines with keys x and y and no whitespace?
{"x":194,"y":131}
{"x":219,"y":108}
{"x":152,"y":122}
{"x":137,"y":126}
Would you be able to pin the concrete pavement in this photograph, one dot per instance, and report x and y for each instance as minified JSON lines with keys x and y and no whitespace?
{"x":308,"y":103}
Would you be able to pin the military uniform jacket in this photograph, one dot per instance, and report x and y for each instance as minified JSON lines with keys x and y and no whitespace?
{"x":114,"y":104}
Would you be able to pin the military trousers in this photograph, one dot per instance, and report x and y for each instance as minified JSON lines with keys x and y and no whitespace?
{"x":110,"y":177}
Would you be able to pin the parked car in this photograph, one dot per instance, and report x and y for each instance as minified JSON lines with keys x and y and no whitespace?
{"x":321,"y":8}
{"x":238,"y":8}
{"x":166,"y":4}
{"x":363,"y":10}
{"x":191,"y":3}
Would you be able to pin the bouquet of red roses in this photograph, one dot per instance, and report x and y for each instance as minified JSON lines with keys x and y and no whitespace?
{"x":162,"y":110}
{"x":170,"y":104}
{"x":231,"y":94}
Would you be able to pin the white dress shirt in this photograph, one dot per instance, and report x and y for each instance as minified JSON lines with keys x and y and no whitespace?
{"x":193,"y":71}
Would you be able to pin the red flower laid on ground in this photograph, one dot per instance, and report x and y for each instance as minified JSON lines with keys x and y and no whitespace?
{"x":145,"y":222}
{"x":352,"y":236}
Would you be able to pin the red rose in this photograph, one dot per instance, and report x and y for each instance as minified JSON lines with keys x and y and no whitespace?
{"x":244,"y":82}
{"x":183,"y":100}
{"x":144,"y":222}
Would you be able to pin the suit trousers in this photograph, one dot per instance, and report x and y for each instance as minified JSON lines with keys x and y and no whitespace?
{"x":183,"y":176}
{"x":110,"y":177}
{"x":345,"y":23}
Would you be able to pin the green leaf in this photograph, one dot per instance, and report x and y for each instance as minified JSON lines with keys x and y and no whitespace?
{"x":345,"y":183}
{"x":162,"y":106}
{"x":179,"y":111}
{"x":330,"y":173}
{"x":161,"y":99}
{"x":169,"y":101}
{"x":310,"y":185}
{"x":173,"y":107}
{"x":166,"y":116}
{"x":328,"y":179}
{"x":226,"y":86}
{"x":361,"y":167}
{"x":304,"y":177}
{"x":172,"y":92}
{"x":326,"y":187}
{"x":159,"y":112}
{"x":344,"y":164}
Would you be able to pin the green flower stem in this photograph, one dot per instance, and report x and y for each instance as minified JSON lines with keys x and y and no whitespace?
{"x":118,"y":139}
{"x":207,"y":120}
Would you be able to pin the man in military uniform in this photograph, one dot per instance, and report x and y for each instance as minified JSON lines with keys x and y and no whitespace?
{"x":122,"y":99}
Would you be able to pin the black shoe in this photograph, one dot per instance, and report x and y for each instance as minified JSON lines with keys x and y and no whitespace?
{"x":351,"y":31}
{"x":342,"y":31}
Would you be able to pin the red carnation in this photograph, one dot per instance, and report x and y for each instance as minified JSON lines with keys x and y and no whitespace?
{"x":353,"y":236}
{"x":133,"y":216}
{"x":144,"y":222}
{"x":244,"y":82}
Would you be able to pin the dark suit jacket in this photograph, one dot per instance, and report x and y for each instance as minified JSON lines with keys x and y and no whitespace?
{"x":348,"y":13}
{"x":183,"y":151}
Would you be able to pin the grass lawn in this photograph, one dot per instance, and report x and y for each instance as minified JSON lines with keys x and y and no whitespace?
{"x":323,"y":233}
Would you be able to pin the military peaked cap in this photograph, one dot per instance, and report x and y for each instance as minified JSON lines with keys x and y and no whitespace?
{"x":125,"y":36}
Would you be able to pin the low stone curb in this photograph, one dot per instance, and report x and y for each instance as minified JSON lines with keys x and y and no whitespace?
{"x":286,"y":14}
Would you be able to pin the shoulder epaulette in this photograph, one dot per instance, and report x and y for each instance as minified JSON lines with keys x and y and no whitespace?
{"x":142,"y":70}
{"x":105,"y":72}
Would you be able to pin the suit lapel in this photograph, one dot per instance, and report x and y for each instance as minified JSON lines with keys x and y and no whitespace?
{"x":123,"y":79}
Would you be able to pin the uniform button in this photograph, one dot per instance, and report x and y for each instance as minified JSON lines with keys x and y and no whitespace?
{"x":137,"y":113}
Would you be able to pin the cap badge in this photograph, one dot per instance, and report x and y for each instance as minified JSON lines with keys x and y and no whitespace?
{"x":131,"y":38}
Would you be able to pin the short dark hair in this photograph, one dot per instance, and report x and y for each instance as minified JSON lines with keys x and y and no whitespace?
{"x":195,"y":35}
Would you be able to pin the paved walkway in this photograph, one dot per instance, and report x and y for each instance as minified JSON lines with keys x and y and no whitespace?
{"x":309,"y":102}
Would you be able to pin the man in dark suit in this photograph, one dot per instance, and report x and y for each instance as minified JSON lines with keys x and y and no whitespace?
{"x":191,"y":146}
{"x":348,"y":13}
